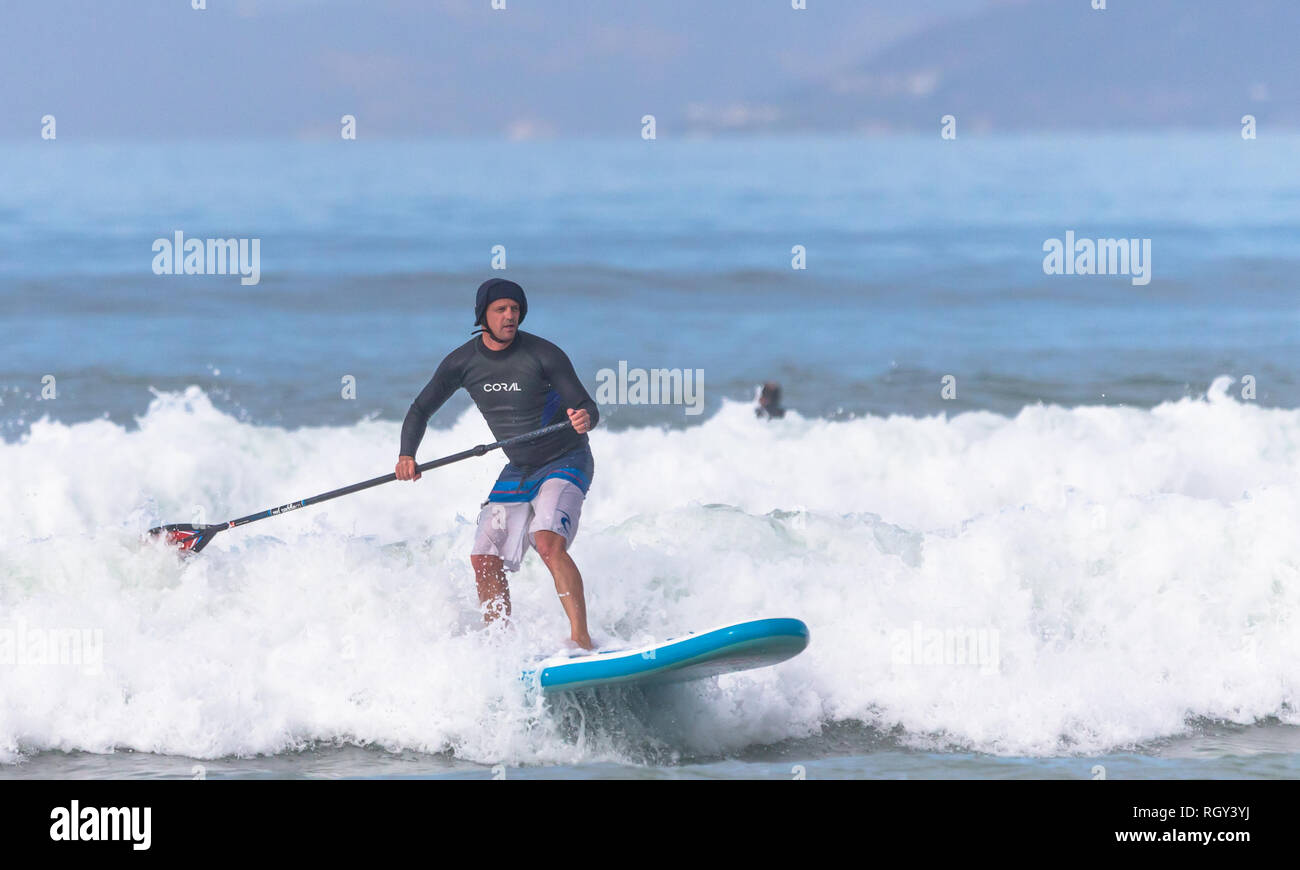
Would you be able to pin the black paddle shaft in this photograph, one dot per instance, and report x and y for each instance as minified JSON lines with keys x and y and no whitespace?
{"x":195,"y":538}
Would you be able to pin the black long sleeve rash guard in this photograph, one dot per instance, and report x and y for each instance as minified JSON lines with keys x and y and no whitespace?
{"x":527,"y":386}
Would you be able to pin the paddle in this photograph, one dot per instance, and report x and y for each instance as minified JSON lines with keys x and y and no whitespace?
{"x":192,"y":539}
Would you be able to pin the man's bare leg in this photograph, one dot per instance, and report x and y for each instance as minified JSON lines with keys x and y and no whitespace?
{"x":493,"y":591}
{"x":568,"y":583}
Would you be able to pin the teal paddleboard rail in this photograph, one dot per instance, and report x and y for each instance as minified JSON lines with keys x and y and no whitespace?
{"x":745,"y":645}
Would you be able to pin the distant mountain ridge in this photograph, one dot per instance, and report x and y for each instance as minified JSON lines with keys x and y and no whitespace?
{"x":1055,"y":64}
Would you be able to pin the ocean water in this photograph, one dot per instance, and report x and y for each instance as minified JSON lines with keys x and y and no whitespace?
{"x":1105,"y":510}
{"x":924,"y":259}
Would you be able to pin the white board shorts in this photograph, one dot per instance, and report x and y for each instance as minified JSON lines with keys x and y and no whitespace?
{"x":506,"y":529}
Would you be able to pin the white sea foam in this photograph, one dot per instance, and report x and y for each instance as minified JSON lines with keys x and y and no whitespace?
{"x":1137,"y":569}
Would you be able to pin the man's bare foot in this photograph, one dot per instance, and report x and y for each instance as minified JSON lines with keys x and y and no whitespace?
{"x":583,"y":642}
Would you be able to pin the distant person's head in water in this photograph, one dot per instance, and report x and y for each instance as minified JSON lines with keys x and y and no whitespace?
{"x":769,"y":401}
{"x":494,"y":314}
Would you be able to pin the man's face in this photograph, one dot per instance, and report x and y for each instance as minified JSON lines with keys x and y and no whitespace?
{"x":503,"y":319}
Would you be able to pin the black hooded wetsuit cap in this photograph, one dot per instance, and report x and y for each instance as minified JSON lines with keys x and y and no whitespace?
{"x":498,"y":288}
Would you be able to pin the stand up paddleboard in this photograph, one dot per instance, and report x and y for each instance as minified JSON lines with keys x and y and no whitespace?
{"x":695,"y":656}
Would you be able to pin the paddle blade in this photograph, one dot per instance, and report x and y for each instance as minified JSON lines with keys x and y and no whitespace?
{"x":185,"y":537}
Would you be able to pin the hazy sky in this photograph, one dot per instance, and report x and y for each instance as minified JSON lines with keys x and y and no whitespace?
{"x":160,"y":69}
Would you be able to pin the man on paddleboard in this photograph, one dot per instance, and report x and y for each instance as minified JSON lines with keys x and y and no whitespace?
{"x":520,"y":383}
